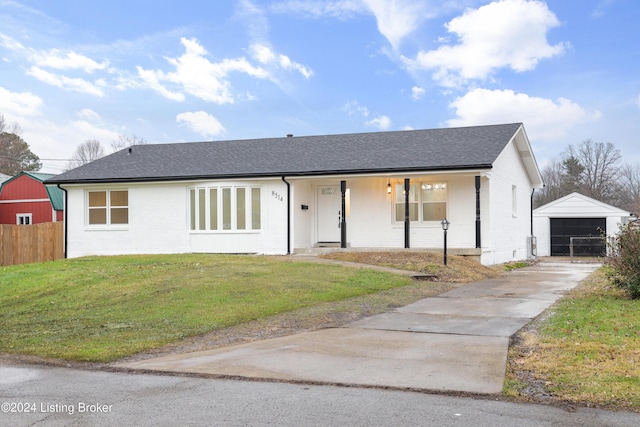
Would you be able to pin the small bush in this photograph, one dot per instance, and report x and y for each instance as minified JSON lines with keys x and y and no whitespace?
{"x":624,"y":258}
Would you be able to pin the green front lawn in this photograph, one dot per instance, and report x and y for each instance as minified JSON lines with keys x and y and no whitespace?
{"x":105,"y":308}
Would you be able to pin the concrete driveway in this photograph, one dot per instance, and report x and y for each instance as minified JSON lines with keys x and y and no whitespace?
{"x":457,"y":341}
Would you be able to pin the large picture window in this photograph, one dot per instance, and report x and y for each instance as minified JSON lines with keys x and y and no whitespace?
{"x":224,"y":208}
{"x":427,"y":202}
{"x":108,"y":207}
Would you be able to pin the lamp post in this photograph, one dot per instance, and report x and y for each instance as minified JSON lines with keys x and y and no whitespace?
{"x":445,"y":227}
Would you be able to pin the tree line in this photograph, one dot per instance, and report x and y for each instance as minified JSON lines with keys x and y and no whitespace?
{"x":16,"y":155}
{"x":596,"y":170}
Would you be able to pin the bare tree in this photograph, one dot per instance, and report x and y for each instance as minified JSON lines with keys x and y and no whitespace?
{"x":553,"y":178}
{"x":630,"y":183}
{"x":86,"y":152}
{"x":125,"y":141}
{"x":601,"y":163}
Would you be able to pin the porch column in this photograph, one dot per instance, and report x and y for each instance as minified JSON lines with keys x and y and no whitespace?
{"x":478,"y":240}
{"x":343,"y":215}
{"x":407,"y":220}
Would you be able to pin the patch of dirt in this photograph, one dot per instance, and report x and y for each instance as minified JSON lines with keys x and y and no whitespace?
{"x":459,"y":269}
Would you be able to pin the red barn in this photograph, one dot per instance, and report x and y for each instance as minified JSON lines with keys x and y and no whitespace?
{"x":25,"y":199}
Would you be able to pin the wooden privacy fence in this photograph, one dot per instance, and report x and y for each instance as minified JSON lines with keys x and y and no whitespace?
{"x":24,"y":244}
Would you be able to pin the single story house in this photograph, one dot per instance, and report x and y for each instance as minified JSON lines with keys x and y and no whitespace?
{"x":575,"y":215}
{"x":283,"y":195}
{"x":25,"y":199}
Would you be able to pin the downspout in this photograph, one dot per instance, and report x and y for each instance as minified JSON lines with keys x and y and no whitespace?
{"x":288,"y":215}
{"x":343,"y":215}
{"x":64,"y":220}
{"x":478,"y":217}
{"x":407,"y":217}
{"x":531,"y":206}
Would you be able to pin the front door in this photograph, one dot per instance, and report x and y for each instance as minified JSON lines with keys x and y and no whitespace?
{"x":329,"y":206}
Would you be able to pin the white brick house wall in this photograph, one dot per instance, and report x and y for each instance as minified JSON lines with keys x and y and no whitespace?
{"x":508,"y":230}
{"x":159,"y":222}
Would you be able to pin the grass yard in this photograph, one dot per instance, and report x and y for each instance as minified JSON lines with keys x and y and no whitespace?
{"x":104,"y":308}
{"x":587,"y":352}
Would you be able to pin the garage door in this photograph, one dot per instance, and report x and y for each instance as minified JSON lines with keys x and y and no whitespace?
{"x":562,"y":229}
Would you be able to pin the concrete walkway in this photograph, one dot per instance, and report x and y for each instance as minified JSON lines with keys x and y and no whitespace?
{"x":457,"y":341}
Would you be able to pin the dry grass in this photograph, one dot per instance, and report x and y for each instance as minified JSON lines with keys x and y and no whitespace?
{"x":459,"y":269}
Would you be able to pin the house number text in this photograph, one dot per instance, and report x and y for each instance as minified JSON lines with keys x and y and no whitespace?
{"x":277,"y":195}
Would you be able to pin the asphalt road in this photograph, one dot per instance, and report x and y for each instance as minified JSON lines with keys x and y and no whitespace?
{"x":53,"y":396}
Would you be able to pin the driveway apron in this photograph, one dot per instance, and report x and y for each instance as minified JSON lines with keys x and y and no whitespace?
{"x":455,"y":342}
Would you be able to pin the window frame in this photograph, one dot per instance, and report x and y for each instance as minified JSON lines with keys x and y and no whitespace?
{"x":109,"y":207}
{"x":27,"y":216}
{"x":227,"y":206}
{"x":418,"y":187}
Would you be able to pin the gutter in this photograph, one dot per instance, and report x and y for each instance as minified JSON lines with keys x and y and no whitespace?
{"x":288,"y":214}
{"x":65,"y":218}
{"x":315,"y":173}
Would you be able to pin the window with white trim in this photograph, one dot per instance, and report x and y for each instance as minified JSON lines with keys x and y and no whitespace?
{"x":108,"y":207}
{"x":427,"y":201}
{"x":224,"y":208}
{"x":514,"y":201}
{"x":24,"y":219}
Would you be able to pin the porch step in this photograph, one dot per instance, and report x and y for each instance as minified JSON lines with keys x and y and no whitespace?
{"x":327,"y":245}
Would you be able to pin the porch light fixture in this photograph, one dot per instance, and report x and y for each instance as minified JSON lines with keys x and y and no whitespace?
{"x":389,"y":187}
{"x":445,"y":227}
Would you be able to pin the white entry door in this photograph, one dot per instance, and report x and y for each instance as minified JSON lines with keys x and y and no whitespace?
{"x":329,"y":206}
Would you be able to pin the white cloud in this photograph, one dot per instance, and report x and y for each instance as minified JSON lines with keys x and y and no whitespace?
{"x":381,"y":122}
{"x":57,"y":59}
{"x":88,"y":114}
{"x":66,"y":83}
{"x":197,"y":76}
{"x":354,"y":108}
{"x":417,"y":93}
{"x":201,"y":122}
{"x":151,"y":79}
{"x":339,"y":9}
{"x":396,"y":18}
{"x":544,"y":119}
{"x":505,"y":33}
{"x":19,"y":103}
{"x":54,"y":58}
{"x":266,"y":56}
{"x":84,"y":130}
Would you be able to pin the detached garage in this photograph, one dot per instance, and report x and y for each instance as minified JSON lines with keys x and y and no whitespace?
{"x":575,"y":215}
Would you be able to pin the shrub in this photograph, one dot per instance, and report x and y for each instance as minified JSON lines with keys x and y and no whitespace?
{"x":624,"y":258}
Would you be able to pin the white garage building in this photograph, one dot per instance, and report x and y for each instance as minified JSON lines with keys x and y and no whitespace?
{"x":575,"y":215}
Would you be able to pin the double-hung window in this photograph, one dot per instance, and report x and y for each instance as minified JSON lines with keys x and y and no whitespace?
{"x":427,"y":202}
{"x":108,"y":207}
{"x":225,"y":208}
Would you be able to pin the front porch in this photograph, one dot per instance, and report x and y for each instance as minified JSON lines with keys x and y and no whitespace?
{"x":376,"y":213}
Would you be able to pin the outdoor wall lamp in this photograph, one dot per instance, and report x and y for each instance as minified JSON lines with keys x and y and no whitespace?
{"x":445,"y":227}
{"x":389,"y":187}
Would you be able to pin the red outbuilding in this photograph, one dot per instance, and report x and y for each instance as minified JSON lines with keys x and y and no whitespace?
{"x":25,"y":199}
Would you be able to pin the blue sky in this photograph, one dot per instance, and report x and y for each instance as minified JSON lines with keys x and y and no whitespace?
{"x":74,"y":70}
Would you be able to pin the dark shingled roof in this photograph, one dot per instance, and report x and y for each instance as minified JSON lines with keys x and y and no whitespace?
{"x":376,"y":152}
